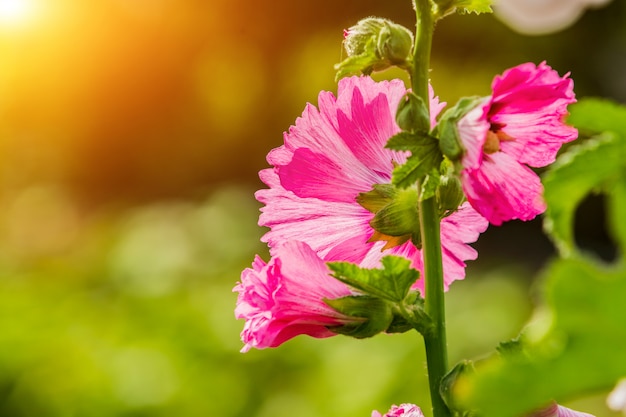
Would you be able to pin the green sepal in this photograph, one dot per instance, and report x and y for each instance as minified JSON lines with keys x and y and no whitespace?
{"x":377,"y":315}
{"x":391,"y":283}
{"x":412,"y":114}
{"x":365,"y":63}
{"x":447,"y":131}
{"x":376,"y":199}
{"x":449,"y":140}
{"x":400,"y":217}
{"x":414,"y":313}
{"x":423,"y":160}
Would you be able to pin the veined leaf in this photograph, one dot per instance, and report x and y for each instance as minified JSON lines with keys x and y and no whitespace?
{"x":392,"y":282}
{"x":581,"y":352}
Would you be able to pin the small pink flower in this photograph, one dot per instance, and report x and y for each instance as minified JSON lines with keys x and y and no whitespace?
{"x":330,"y":156}
{"x":403,"y":410}
{"x":284,"y":298}
{"x":519,"y":125}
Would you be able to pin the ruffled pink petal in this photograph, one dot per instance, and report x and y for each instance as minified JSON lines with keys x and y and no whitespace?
{"x":329,"y":157}
{"x":502,"y":189}
{"x":314,"y":175}
{"x":366,"y":130}
{"x":323,"y":225}
{"x":285,"y":298}
{"x":369,"y":89}
{"x":457,"y":230}
{"x":530,"y":102}
{"x":402,"y":410}
{"x":317,"y":131}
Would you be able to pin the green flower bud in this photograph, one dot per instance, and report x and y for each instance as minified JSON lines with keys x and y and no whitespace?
{"x":449,"y":195}
{"x":396,"y":217}
{"x":412,"y":114}
{"x":374,"y":44}
{"x":448,"y":386}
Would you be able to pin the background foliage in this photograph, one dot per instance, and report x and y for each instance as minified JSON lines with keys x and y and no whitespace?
{"x":131,"y":133}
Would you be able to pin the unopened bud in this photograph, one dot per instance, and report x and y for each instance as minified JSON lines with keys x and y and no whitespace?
{"x":374,"y":44}
{"x":450,"y":195}
{"x":412,"y":114}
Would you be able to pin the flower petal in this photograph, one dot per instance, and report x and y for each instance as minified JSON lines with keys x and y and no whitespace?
{"x":323,"y":225}
{"x":530,"y":102}
{"x":285,"y":298}
{"x":329,"y":157}
{"x":502,"y":189}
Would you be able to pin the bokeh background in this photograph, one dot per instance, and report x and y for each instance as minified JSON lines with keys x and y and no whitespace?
{"x":131,"y":134}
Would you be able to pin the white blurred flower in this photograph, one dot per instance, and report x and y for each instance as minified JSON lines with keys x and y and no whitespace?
{"x":616,"y":400}
{"x":535,"y":17}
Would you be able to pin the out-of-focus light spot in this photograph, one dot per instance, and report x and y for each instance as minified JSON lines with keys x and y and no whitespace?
{"x":15,"y":12}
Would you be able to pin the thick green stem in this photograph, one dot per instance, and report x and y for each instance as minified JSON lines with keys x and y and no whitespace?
{"x":435,"y":341}
{"x":421,"y":53}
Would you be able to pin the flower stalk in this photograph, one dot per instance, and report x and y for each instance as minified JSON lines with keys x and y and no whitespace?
{"x":435,"y":341}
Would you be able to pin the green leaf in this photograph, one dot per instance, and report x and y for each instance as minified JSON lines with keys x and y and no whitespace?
{"x":594,"y":115}
{"x":407,"y":141}
{"x":392,"y":282}
{"x":473,"y":6}
{"x":616,"y":207}
{"x":421,"y":162}
{"x":376,"y":313}
{"x":582,"y":350}
{"x":586,"y":168}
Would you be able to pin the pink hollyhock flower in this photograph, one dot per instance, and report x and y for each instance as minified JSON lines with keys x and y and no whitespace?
{"x":284,"y":298}
{"x":520,"y":124}
{"x":403,"y":410}
{"x":330,"y":156}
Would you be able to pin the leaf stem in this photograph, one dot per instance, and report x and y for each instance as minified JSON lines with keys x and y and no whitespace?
{"x":435,"y":340}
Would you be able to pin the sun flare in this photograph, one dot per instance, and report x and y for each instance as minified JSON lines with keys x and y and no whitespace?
{"x":14,"y":12}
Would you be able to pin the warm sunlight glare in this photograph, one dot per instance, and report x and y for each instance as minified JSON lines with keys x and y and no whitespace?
{"x":14,"y":12}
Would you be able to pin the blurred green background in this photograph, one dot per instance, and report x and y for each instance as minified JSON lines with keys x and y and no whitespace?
{"x":131,"y":134}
